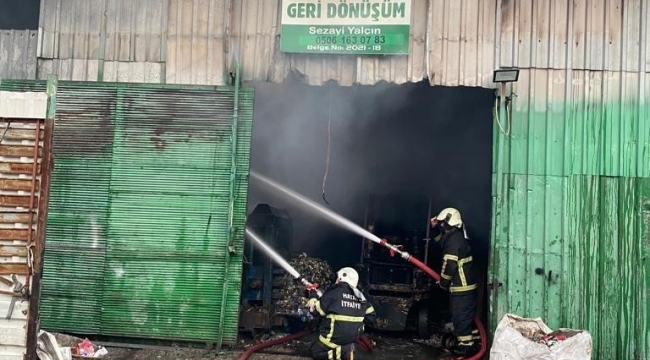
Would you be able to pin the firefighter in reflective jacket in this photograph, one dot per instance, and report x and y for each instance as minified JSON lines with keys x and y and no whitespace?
{"x":457,"y":276}
{"x":344,"y":310}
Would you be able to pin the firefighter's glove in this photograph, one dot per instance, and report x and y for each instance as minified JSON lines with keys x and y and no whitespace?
{"x":312,"y":304}
{"x":444,"y":285}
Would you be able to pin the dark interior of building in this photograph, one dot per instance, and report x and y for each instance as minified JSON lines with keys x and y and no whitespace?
{"x":408,"y":142}
{"x":380,"y":156}
{"x":19,"y":14}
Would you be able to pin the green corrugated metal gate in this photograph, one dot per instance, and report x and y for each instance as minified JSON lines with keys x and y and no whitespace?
{"x":138,"y":240}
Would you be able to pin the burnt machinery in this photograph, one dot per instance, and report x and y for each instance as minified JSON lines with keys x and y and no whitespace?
{"x":275,"y":226}
{"x":403,"y":296}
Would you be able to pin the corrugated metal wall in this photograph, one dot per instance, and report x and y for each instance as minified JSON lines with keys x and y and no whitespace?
{"x":579,"y":123}
{"x":18,"y":54}
{"x":139,"y":210}
{"x":571,"y":197}
{"x":195,"y":41}
{"x":103,"y":40}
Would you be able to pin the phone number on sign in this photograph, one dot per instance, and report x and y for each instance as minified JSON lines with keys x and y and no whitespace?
{"x":351,"y":40}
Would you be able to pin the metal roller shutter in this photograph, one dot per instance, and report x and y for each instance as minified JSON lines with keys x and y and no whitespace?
{"x":138,"y":225}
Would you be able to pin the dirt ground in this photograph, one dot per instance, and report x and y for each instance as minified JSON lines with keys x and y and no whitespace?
{"x":387,"y":348}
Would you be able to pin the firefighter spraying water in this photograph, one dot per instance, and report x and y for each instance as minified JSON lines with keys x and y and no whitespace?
{"x":326,"y":306}
{"x":340,"y":221}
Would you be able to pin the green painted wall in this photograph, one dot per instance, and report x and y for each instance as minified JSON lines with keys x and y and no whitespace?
{"x":138,"y":230}
{"x":571,"y":221}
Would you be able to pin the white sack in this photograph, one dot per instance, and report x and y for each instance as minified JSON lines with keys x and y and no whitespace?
{"x":510,"y":344}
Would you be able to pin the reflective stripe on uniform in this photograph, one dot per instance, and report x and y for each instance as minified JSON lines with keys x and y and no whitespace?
{"x":465,"y":260}
{"x":465,"y":338}
{"x":370,"y":310}
{"x":461,"y":275}
{"x":335,"y":351}
{"x":461,"y":271}
{"x":327,"y":340}
{"x":463,"y":288}
{"x":345,"y":318}
{"x":466,"y":343}
{"x":450,"y":257}
{"x":442,"y":271}
{"x":319,"y":309}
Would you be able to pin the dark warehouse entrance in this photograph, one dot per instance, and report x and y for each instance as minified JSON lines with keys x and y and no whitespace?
{"x":401,"y":144}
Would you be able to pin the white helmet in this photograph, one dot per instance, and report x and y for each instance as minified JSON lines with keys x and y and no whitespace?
{"x":451,"y":216}
{"x":349,"y":276}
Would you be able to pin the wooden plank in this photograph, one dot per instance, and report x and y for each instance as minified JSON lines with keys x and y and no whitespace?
{"x":17,"y":184}
{"x":18,"y":168}
{"x":19,"y":151}
{"x":14,"y":234}
{"x":13,"y":268}
{"x":10,"y":200}
{"x":20,"y":134}
{"x":14,"y":218}
{"x":6,"y":250}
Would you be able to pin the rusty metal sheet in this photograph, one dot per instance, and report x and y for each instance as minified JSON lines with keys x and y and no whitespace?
{"x":18,"y":151}
{"x":8,"y":250}
{"x":12,"y":200}
{"x":13,"y":218}
{"x":18,"y":168}
{"x":13,"y":268}
{"x":17,"y":184}
{"x":14,"y":234}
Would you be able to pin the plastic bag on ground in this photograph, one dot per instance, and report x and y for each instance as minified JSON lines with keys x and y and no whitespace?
{"x":518,"y":338}
{"x":47,"y":347}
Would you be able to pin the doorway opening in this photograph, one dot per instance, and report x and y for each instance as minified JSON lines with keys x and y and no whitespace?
{"x":384,"y":156}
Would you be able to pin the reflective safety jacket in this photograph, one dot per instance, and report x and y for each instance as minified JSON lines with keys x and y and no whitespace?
{"x":457,"y":269}
{"x":343,"y":316}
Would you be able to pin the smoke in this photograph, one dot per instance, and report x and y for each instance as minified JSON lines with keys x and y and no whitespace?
{"x":411,"y":140}
{"x":19,"y":14}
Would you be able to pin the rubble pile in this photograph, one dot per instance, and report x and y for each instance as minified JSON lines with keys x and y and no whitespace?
{"x":289,"y":295}
{"x":550,"y":339}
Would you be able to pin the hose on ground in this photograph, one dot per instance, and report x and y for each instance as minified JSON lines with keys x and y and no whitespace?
{"x":477,"y":320}
{"x":266,"y":344}
{"x":364,"y":342}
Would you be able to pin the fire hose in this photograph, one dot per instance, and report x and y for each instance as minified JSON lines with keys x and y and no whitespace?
{"x":363,"y":342}
{"x":344,"y":223}
{"x":419,"y":264}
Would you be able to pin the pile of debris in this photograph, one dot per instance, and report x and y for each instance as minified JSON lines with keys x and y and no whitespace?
{"x":549,"y":339}
{"x":63,"y":347}
{"x":289,"y":295}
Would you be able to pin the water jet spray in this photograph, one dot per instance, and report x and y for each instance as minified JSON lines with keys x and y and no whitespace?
{"x":259,"y":243}
{"x":346,"y":224}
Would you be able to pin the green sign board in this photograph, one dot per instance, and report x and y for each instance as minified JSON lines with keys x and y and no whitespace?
{"x":360,"y":27}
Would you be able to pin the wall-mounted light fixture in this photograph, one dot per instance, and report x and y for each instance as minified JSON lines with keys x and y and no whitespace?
{"x":505,"y":75}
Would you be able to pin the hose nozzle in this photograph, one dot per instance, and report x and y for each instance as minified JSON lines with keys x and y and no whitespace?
{"x":396,"y":249}
{"x":311,"y":287}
